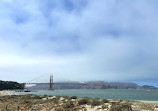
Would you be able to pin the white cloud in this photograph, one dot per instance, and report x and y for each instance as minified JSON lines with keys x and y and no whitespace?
{"x":102,"y":40}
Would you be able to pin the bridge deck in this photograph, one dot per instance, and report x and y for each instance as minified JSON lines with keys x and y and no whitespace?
{"x":60,"y":83}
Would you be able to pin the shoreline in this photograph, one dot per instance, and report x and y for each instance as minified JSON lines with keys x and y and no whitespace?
{"x":7,"y":93}
{"x":148,"y":102}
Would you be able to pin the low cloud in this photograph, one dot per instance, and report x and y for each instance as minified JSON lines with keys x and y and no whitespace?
{"x":79,"y":40}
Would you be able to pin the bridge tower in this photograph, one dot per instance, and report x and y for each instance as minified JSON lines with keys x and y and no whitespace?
{"x":51,"y":83}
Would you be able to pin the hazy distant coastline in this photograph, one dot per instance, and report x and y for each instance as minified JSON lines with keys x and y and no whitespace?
{"x":94,"y":85}
{"x":10,"y":85}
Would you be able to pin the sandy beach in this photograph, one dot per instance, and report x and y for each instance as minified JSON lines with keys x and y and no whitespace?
{"x":149,"y":102}
{"x":6,"y":93}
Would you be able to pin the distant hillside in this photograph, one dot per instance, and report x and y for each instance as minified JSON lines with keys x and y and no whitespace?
{"x":148,"y":87}
{"x":6,"y":85}
{"x":93,"y":85}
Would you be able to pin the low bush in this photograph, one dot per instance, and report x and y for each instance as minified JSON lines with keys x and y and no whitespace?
{"x":73,"y":97}
{"x":66,"y":97}
{"x":83,"y":101}
{"x":146,"y":107}
{"x":96,"y":102}
{"x":45,"y":95}
{"x":105,"y":101}
{"x":59,"y":109}
{"x":121,"y":107}
{"x":63,"y":109}
{"x":104,"y":106}
{"x":37,"y":97}
{"x":56,"y":100}
{"x":69,"y":104}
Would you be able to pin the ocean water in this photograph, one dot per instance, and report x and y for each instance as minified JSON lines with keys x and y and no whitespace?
{"x":129,"y":94}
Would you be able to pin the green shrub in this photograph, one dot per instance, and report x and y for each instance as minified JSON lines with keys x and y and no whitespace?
{"x":59,"y":109}
{"x":69,"y":104}
{"x":146,"y":106}
{"x":45,"y":95}
{"x":104,"y":106}
{"x":121,"y":100}
{"x":83,"y":101}
{"x":63,"y":109}
{"x":96,"y":102}
{"x":56,"y":100}
{"x":105,"y":101}
{"x":28,"y":96}
{"x":121,"y":107}
{"x":37,"y":97}
{"x":66,"y":97}
{"x":73,"y":97}
{"x":28,"y":103}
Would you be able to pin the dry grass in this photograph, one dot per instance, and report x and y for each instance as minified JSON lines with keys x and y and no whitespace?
{"x":57,"y":103}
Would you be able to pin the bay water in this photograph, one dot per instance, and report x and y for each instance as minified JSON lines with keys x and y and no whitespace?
{"x":127,"y":94}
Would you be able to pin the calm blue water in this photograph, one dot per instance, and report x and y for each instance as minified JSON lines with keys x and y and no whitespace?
{"x":103,"y":93}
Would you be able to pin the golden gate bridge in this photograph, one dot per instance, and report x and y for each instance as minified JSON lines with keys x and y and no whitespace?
{"x":51,"y":83}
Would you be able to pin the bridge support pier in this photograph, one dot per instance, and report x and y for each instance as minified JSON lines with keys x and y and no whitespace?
{"x":51,"y":83}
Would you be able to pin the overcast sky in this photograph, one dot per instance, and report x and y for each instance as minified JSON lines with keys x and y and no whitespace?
{"x":79,"y":40}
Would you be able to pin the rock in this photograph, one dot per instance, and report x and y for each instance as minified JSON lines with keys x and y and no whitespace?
{"x":156,"y":109}
{"x":52,"y":97}
{"x":61,"y":98}
{"x":135,"y":108}
{"x":44,"y":98}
